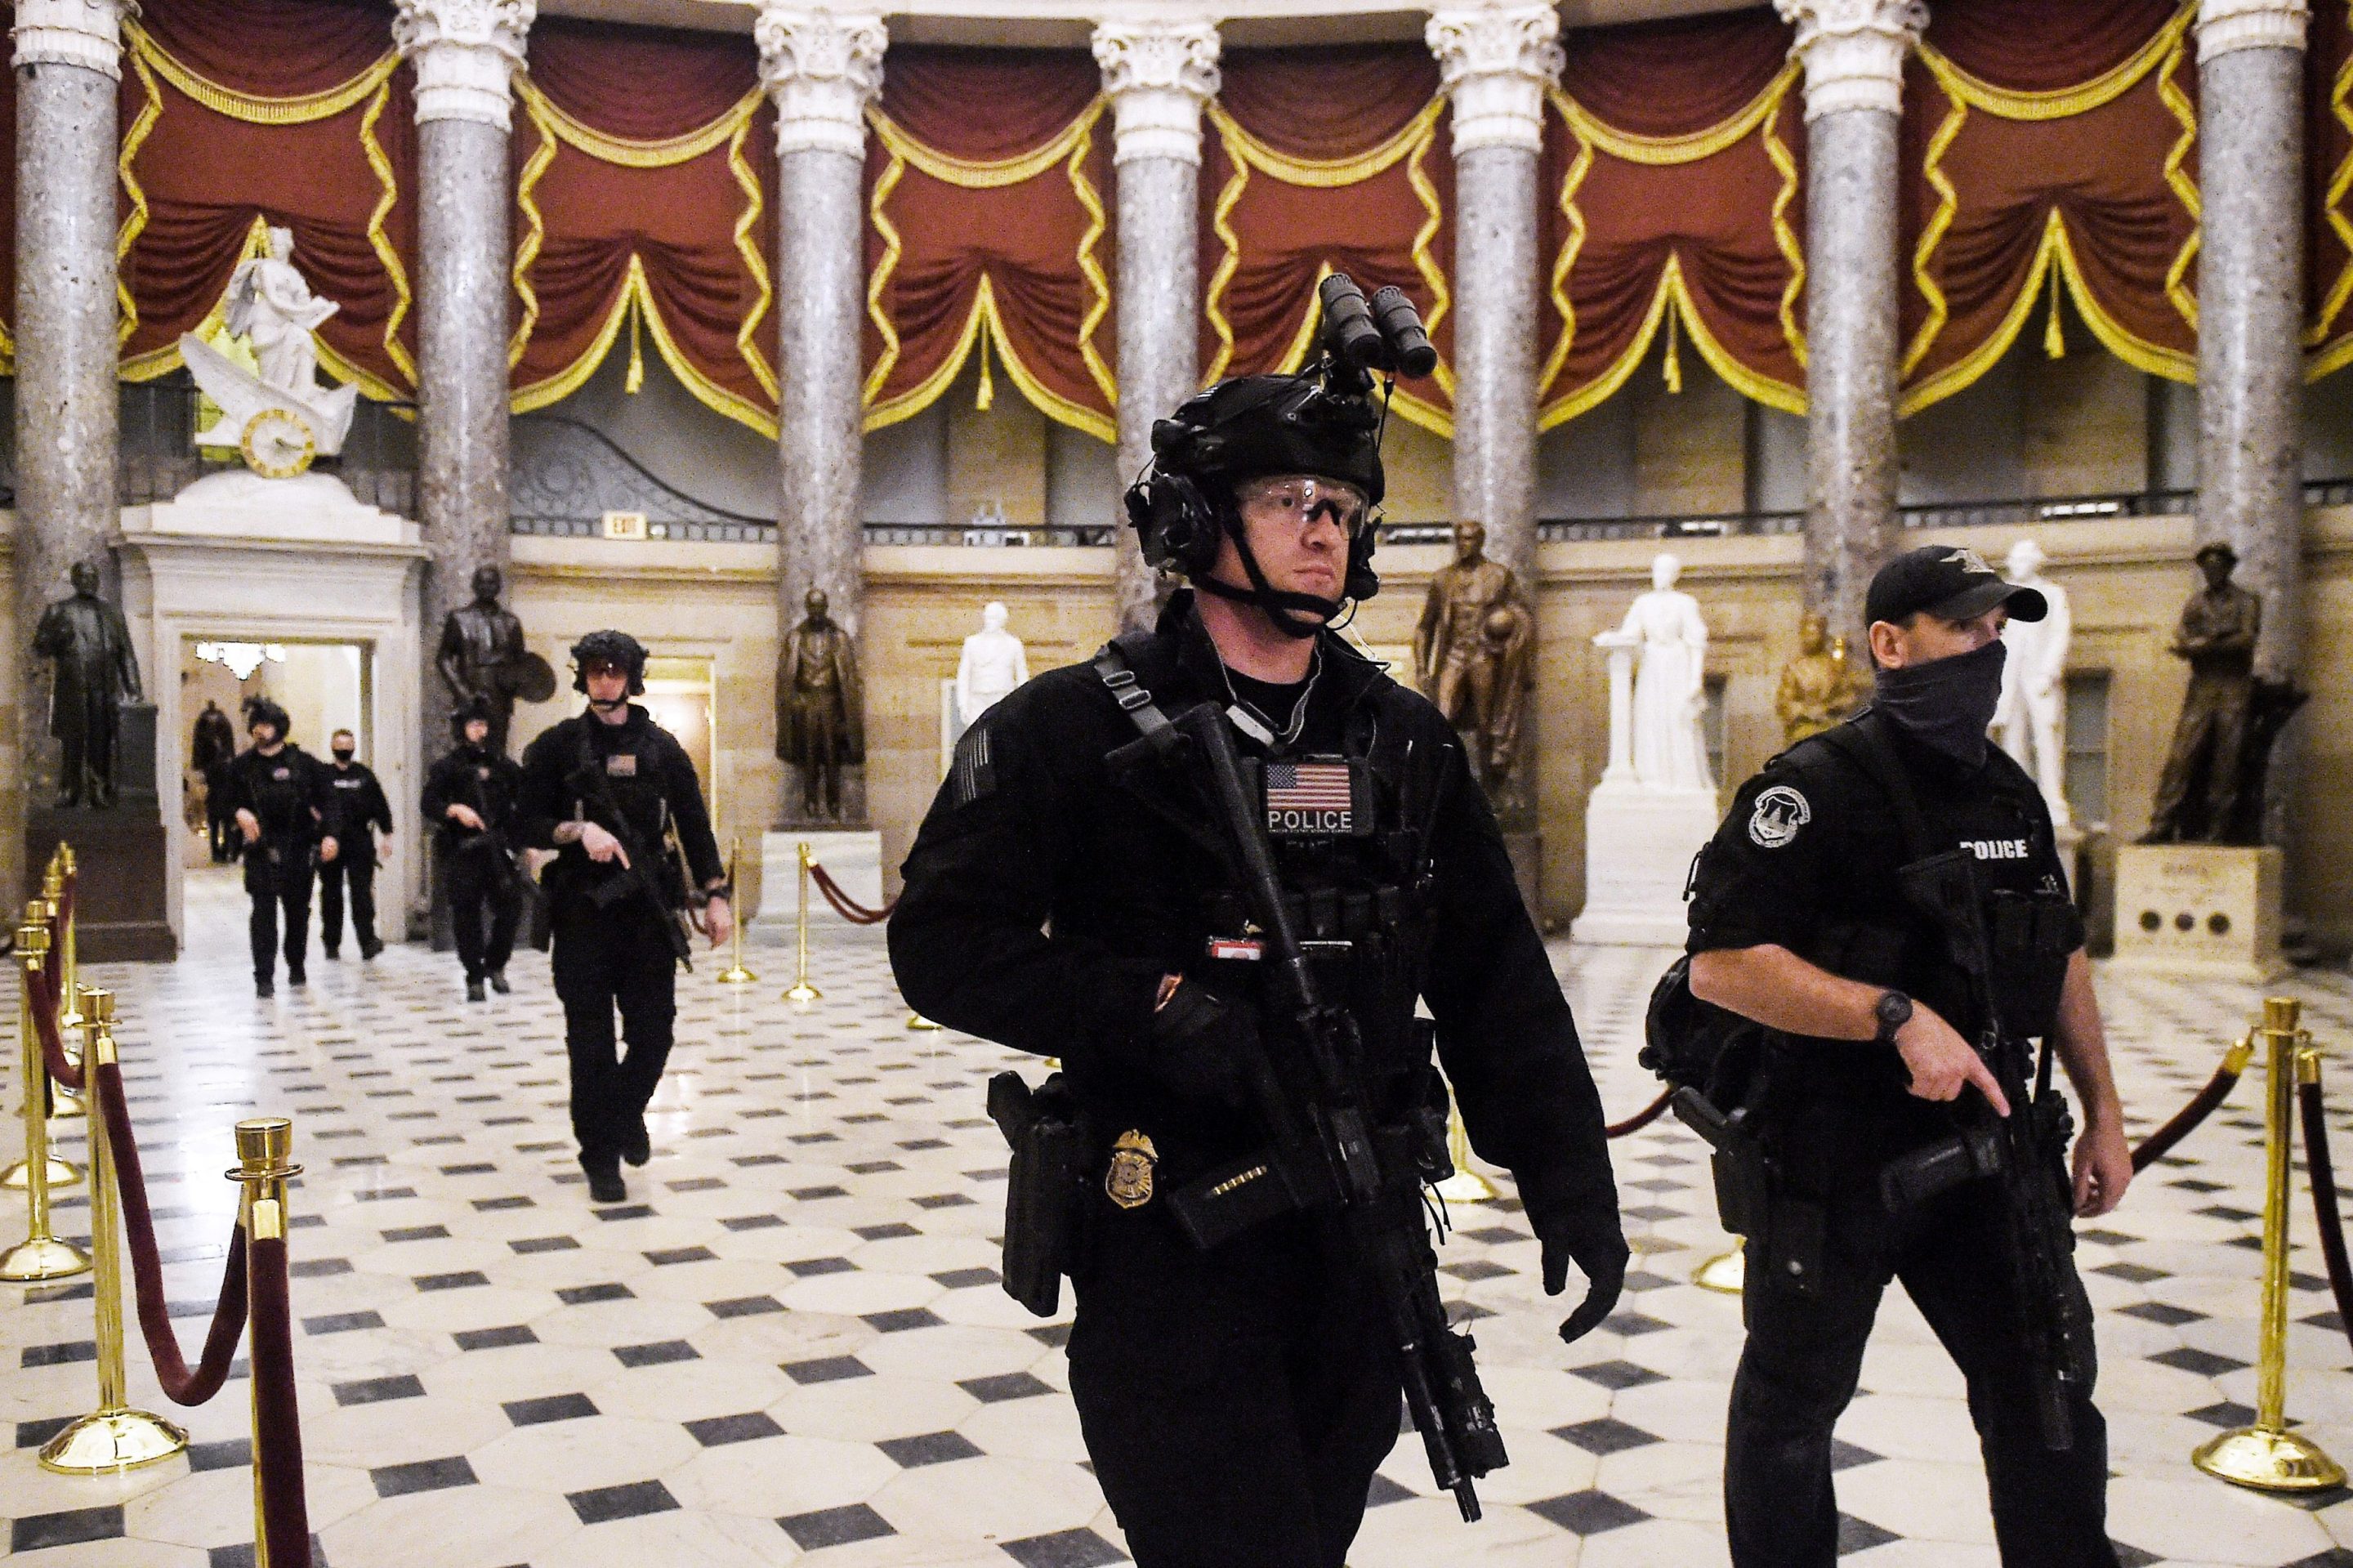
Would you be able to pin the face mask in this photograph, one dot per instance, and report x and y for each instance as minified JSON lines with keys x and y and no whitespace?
{"x":343,"y":756}
{"x":1947,"y":703}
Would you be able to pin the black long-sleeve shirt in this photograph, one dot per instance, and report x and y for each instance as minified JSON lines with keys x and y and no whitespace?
{"x":650,"y":777}
{"x":471,"y":776}
{"x":287,"y":794}
{"x":359,"y":804}
{"x":1044,"y":900}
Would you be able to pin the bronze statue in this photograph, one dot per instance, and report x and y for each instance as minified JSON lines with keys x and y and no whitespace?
{"x":2198,"y":795}
{"x":820,"y":711}
{"x":94,"y":671}
{"x":482,"y":657}
{"x":1821,"y":687}
{"x":1474,"y":657}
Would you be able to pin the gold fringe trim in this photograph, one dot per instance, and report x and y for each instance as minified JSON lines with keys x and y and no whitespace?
{"x":1326,"y":173}
{"x":1090,"y":268}
{"x":164,"y":358}
{"x":971,"y":173}
{"x":746,"y":246}
{"x":1571,"y":248}
{"x":1785,"y":236}
{"x":1948,"y":203}
{"x":892,"y":249}
{"x":1674,"y":293}
{"x":1660,"y":152}
{"x":534,"y":231}
{"x":667,"y":152}
{"x":2184,"y":188}
{"x":2060,"y":103}
{"x":380,"y":240}
{"x":985,"y":316}
{"x":251,"y":108}
{"x":134,"y":222}
{"x":2340,"y":103}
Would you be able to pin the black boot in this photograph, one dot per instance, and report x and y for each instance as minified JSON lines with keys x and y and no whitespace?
{"x":498,"y":978}
{"x":474,"y":989}
{"x":636,"y":1146}
{"x":262,"y":988}
{"x":605,"y":1184}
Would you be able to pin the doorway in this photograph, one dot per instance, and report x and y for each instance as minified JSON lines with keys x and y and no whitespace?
{"x":323,"y":686}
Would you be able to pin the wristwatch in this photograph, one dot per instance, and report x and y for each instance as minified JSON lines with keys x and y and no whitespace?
{"x":1894,"y":1010}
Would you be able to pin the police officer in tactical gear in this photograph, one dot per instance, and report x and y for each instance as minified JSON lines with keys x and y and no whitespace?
{"x":1804,"y":920}
{"x":360,"y":813}
{"x":469,"y":797}
{"x":607,"y":789}
{"x":1237,"y":1399}
{"x":279,"y":796}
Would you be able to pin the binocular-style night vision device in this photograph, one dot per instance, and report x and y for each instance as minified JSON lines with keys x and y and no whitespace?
{"x":1384,"y":333}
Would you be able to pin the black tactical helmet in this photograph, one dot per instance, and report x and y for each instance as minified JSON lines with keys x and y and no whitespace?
{"x":615,"y":647}
{"x":261,"y":710}
{"x":466,"y":712}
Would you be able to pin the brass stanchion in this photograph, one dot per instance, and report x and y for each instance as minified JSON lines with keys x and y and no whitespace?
{"x":735,"y":974}
{"x":41,"y":1255}
{"x":39,"y":1091}
{"x":2267,"y":1456}
{"x":63,"y":1101}
{"x":265,"y":1148}
{"x":801,"y":990}
{"x":1726,"y":1272}
{"x":114,"y":1437}
{"x":1466,"y":1185}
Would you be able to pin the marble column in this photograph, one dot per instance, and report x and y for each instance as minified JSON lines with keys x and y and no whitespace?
{"x":2250,"y":304}
{"x":1158,"y":74}
{"x":68,"y":65}
{"x":822,"y":67}
{"x":464,"y":53}
{"x":1495,"y":62}
{"x":1854,"y":53}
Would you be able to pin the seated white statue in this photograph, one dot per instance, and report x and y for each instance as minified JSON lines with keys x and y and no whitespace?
{"x":281,"y":418}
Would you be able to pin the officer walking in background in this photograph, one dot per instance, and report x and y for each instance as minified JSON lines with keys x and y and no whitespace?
{"x":1068,"y":897}
{"x":1848,"y":904}
{"x":360,"y":813}
{"x":279,"y":797}
{"x":470,"y":799}
{"x":212,"y":742}
{"x":607,"y":789}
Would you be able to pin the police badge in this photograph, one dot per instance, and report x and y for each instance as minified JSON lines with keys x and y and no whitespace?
{"x":1128,"y":1182}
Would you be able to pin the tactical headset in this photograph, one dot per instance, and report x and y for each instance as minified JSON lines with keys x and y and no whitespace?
{"x":1321,"y":423}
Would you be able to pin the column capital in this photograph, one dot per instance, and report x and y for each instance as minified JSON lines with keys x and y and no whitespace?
{"x":1853,"y":50}
{"x":1495,"y":62}
{"x":822,"y":67}
{"x":465,"y":52}
{"x":2226,"y":24}
{"x":1157,"y":73}
{"x":85,"y":33}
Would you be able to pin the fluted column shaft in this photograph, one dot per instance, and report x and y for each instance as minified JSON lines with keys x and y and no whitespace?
{"x":1495,"y":63}
{"x":2250,"y":305}
{"x":67,"y":62}
{"x":1854,"y":53}
{"x":1157,"y":76}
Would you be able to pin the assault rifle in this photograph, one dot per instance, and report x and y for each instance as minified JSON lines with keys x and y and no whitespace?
{"x":2026,"y":1153}
{"x":635,"y":879}
{"x":1326,"y":1151}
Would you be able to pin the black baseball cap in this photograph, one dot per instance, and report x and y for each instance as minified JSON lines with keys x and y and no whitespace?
{"x":1949,"y":582}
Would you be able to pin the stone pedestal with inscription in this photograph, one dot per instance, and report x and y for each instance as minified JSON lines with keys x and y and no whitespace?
{"x":2211,"y":911}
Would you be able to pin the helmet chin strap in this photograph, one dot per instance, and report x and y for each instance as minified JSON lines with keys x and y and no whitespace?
{"x":1277,"y":603}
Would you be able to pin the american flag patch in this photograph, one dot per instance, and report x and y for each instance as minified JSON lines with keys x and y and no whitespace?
{"x":1310,"y":798}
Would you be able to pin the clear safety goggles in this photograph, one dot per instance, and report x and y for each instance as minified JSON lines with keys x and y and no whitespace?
{"x":1302,"y":499}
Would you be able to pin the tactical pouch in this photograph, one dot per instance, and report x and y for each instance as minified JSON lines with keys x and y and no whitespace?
{"x":1213,"y":1209}
{"x":1046,"y":1133}
{"x":1914,"y":1178}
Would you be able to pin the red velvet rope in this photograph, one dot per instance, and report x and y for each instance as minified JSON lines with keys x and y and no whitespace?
{"x":1641,"y":1118}
{"x":849,"y":909}
{"x":276,"y":1423}
{"x":2323,"y":1172}
{"x":2159,"y":1144}
{"x":64,"y":1069}
{"x":183,"y":1385}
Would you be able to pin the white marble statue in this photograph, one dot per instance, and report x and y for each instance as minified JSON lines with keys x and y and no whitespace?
{"x":1664,"y":625}
{"x":2031,"y":720}
{"x":994,"y":662}
{"x":280,"y":416}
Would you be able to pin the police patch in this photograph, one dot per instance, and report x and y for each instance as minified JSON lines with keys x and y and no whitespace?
{"x":1780,"y":812}
{"x":621,"y":765}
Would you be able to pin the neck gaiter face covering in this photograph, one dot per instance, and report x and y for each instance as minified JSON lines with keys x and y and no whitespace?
{"x":1947,"y":704}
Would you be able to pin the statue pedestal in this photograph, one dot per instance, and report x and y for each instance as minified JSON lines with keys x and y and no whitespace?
{"x":2205,"y":910}
{"x":1638,"y":846}
{"x":119,"y":886}
{"x":852,"y":856}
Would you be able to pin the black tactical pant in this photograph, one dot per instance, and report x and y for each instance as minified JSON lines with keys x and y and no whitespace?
{"x":477,"y":882}
{"x":1235,"y":1403}
{"x":280,"y":886}
{"x":1805,"y":1352}
{"x":605,"y":960}
{"x":354,"y":864}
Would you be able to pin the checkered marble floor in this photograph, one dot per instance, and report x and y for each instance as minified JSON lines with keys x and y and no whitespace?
{"x":792,"y":1344}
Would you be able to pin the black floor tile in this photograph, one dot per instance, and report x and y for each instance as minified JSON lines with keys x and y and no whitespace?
{"x":931,"y":1449}
{"x":835,"y":1527}
{"x":630,"y":1500}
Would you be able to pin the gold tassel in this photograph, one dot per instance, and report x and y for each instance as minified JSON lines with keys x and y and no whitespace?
{"x":1674,"y":366}
{"x":2054,"y":340}
{"x":987,"y":393}
{"x":637,"y":347}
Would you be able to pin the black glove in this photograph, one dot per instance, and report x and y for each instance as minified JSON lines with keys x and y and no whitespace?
{"x":1595,"y":1244}
{"x":1194,"y":1046}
